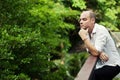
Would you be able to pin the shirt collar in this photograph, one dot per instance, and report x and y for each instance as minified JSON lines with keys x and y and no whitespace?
{"x":94,"y":29}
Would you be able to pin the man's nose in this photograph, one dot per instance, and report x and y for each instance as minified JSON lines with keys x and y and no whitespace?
{"x":81,"y":22}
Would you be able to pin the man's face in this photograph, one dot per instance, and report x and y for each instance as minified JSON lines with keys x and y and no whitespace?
{"x":85,"y":20}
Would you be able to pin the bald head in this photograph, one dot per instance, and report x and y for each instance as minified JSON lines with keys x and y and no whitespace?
{"x":90,"y":13}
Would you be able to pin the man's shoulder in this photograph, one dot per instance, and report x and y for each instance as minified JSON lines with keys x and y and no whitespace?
{"x":100,"y":27}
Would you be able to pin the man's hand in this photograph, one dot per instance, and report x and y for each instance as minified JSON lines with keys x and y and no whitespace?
{"x":83,"y":33}
{"x":103,"y":56}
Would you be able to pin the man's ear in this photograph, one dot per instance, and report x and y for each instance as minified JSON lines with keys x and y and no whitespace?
{"x":93,"y":20}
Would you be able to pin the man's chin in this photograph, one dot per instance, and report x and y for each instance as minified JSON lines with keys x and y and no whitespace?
{"x":84,"y":28}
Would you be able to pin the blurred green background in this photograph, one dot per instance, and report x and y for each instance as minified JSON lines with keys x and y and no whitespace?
{"x":37,"y":37}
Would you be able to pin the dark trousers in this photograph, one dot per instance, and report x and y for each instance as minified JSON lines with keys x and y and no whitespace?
{"x":106,"y":73}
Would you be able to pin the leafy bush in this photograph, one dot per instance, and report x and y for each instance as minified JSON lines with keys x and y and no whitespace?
{"x":34,"y":36}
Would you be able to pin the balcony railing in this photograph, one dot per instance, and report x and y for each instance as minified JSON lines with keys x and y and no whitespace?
{"x":87,"y":69}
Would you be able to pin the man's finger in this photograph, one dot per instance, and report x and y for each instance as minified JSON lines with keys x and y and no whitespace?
{"x":87,"y":30}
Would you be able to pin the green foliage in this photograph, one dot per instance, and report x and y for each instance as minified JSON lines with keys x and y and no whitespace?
{"x":79,"y":3}
{"x":21,"y":76}
{"x":74,"y":62}
{"x":31,"y":36}
{"x":34,"y":36}
{"x":107,"y":13}
{"x":116,"y":79}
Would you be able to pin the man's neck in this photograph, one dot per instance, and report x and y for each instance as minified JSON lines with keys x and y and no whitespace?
{"x":91,"y":29}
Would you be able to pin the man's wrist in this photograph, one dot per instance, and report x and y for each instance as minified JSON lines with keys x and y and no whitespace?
{"x":84,"y":39}
{"x":99,"y":52}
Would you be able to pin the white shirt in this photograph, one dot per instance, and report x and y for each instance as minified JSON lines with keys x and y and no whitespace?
{"x":103,"y":41}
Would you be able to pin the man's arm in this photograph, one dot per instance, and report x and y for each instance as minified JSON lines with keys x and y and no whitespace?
{"x":83,"y":34}
{"x":91,"y":48}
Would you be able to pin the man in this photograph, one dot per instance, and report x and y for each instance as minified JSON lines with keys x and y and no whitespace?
{"x":100,"y":44}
